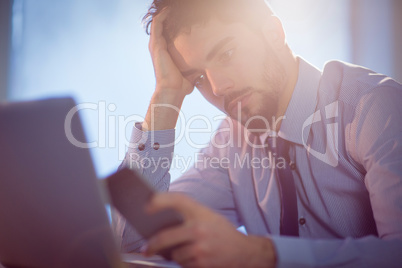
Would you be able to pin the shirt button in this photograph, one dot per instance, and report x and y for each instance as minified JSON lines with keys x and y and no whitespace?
{"x":141,"y":147}
{"x":292,"y":166}
{"x":156,"y":146}
{"x":302,"y":221}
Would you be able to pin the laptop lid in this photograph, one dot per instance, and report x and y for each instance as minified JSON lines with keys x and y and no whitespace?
{"x":51,"y":211}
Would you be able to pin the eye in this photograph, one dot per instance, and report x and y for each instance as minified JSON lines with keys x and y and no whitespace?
{"x":227,"y":55}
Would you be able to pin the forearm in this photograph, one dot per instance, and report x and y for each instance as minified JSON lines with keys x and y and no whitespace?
{"x":163,"y":110}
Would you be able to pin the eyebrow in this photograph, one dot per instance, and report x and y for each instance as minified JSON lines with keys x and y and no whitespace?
{"x":218,"y":46}
{"x":212,"y":53}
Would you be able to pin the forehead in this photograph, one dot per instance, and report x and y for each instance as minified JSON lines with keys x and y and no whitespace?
{"x":194,"y":45}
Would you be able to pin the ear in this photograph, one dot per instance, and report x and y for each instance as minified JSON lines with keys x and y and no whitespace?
{"x":273,"y":32}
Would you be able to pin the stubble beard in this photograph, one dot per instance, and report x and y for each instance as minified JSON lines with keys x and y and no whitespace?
{"x":259,"y":117}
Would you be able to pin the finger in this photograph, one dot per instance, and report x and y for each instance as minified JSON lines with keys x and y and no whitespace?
{"x":179,"y":202}
{"x":169,"y":238}
{"x":156,"y":38}
{"x":184,"y":255}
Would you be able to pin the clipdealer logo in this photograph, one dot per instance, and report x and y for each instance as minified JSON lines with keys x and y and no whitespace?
{"x":111,"y":124}
{"x":330,"y":156}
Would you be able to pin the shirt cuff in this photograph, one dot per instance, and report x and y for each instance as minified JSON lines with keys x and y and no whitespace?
{"x":150,"y":151}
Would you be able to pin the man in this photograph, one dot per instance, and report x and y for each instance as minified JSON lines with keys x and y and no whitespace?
{"x":309,"y":161}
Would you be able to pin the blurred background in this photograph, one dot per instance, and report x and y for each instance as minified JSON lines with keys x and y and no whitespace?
{"x":97,"y":52}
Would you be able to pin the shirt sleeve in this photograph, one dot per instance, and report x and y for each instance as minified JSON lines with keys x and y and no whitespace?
{"x":375,"y":143}
{"x":149,"y":153}
{"x":365,"y":252}
{"x":207,"y":181}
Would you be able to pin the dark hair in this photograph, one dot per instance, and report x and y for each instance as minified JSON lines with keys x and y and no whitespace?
{"x":185,"y":13}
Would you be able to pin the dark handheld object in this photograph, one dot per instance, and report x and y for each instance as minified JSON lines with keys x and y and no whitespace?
{"x":130,"y":194}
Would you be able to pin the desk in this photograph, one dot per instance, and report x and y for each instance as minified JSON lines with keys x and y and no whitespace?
{"x":136,"y":260}
{"x":139,"y":261}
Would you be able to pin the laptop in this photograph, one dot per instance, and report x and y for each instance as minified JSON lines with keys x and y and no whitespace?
{"x":52,"y":210}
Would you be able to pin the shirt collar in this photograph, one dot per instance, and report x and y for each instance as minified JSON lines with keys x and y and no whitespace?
{"x":296,"y":125}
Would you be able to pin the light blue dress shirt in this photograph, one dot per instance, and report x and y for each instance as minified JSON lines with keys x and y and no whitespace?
{"x":345,"y":129}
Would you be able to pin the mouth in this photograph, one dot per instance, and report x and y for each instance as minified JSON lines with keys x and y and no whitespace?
{"x":233,"y":105}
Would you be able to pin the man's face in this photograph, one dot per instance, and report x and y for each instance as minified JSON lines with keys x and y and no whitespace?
{"x":234,"y":68}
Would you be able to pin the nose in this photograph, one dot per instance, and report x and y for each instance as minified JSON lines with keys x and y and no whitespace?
{"x":219,"y":81}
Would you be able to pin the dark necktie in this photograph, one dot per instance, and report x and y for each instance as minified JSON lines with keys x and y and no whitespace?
{"x":289,"y":222}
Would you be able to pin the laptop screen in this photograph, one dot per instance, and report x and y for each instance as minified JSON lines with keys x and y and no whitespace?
{"x":51,"y":211}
